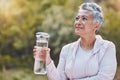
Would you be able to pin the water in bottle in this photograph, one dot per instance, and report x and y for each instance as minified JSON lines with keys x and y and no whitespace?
{"x":41,"y":41}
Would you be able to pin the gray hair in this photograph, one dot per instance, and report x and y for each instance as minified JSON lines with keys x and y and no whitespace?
{"x":96,"y":10}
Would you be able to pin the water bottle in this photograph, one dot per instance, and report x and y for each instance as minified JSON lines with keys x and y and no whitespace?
{"x":41,"y":41}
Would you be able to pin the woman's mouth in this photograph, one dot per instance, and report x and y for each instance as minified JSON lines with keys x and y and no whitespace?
{"x":78,"y":27}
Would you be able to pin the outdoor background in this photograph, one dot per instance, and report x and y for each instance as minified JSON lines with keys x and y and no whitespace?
{"x":21,"y":19}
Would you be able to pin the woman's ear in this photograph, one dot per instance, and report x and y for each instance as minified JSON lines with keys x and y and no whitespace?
{"x":96,"y":26}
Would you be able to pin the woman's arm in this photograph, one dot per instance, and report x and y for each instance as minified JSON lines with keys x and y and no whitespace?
{"x":107,"y":67}
{"x":58,"y":73}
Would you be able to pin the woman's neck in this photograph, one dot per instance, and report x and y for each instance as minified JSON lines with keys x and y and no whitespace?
{"x":87,"y":43}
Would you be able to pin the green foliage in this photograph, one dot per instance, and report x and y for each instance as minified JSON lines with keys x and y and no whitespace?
{"x":9,"y":62}
{"x":17,"y":33}
{"x":20,"y":74}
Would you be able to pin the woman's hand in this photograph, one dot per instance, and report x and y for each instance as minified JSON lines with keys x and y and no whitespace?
{"x":42,"y":53}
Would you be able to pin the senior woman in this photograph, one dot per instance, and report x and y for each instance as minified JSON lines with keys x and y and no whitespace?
{"x":88,"y":58}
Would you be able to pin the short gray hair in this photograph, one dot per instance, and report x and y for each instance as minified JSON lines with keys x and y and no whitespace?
{"x":96,"y":10}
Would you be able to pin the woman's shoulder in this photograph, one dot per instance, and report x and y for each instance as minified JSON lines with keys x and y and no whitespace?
{"x":108,"y":43}
{"x":67,"y":49}
{"x":103,"y":42}
{"x":70,"y":45}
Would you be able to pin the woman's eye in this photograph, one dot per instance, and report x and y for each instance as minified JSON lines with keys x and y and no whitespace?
{"x":84,"y":18}
{"x":77,"y":18}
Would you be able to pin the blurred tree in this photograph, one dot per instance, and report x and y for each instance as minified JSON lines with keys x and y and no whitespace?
{"x":18,"y":23}
{"x":20,"y":20}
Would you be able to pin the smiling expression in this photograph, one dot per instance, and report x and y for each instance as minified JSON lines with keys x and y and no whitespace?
{"x":85,"y":23}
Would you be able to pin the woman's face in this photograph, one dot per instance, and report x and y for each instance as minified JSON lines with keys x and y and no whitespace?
{"x":85,"y":25}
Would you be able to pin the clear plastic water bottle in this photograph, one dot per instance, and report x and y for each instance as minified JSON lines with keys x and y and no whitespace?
{"x":41,"y":41}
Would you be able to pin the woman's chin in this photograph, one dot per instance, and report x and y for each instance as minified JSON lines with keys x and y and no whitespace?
{"x":77,"y":32}
{"x":80,"y":33}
